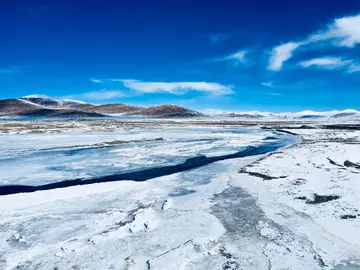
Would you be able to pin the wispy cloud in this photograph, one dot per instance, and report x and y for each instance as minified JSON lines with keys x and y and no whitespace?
{"x":217,"y":38}
{"x":326,"y":63}
{"x":268,"y":84}
{"x":343,"y":32}
{"x":237,"y":57}
{"x":280,"y":54}
{"x":98,"y":95}
{"x":275,"y":94}
{"x":353,"y":68}
{"x":96,"y":80}
{"x":177,"y":88}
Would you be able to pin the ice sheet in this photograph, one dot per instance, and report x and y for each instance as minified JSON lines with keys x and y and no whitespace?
{"x":35,"y":159}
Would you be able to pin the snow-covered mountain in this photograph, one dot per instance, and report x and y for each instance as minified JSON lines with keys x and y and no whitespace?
{"x":248,"y":114}
{"x":53,"y":103}
{"x":318,"y":115}
{"x":305,"y":115}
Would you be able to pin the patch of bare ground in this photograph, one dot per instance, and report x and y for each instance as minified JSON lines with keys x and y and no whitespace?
{"x":263,"y":176}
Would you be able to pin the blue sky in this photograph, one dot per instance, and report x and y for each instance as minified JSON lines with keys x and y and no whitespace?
{"x":231,"y":55}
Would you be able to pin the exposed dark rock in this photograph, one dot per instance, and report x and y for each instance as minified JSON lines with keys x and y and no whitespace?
{"x":286,"y":131}
{"x":322,"y":198}
{"x":163,"y":205}
{"x":348,"y":163}
{"x":230,"y":265}
{"x":261,"y":175}
{"x":299,"y":181}
{"x":225,"y":254}
{"x":347,"y":216}
{"x":301,"y":198}
{"x":319,"y":260}
{"x":333,"y":162}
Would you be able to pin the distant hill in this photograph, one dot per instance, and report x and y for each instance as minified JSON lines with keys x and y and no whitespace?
{"x":49,"y":102}
{"x":167,"y":111}
{"x":44,"y":106}
{"x":24,"y":107}
{"x":10,"y":107}
{"x":114,"y":108}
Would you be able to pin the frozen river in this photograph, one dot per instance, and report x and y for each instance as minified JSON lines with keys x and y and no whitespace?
{"x":45,"y":161}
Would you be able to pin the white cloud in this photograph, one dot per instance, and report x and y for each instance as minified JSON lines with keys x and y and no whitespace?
{"x":238,"y":57}
{"x":280,"y":54}
{"x":275,"y":94}
{"x":177,"y":87}
{"x":343,"y":32}
{"x":98,"y":95}
{"x":353,"y":68}
{"x":96,"y":80}
{"x":268,"y":84}
{"x":326,"y":63}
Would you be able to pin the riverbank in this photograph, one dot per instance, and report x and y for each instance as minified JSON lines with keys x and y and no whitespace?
{"x":313,"y":189}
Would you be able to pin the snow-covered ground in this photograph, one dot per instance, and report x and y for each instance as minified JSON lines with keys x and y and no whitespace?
{"x":247,"y":213}
{"x":313,"y":189}
{"x":115,"y":225}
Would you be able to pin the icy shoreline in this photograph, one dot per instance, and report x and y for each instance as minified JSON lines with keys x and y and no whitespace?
{"x":309,"y":189}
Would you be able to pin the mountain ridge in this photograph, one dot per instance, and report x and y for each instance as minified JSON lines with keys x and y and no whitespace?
{"x":44,"y":106}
